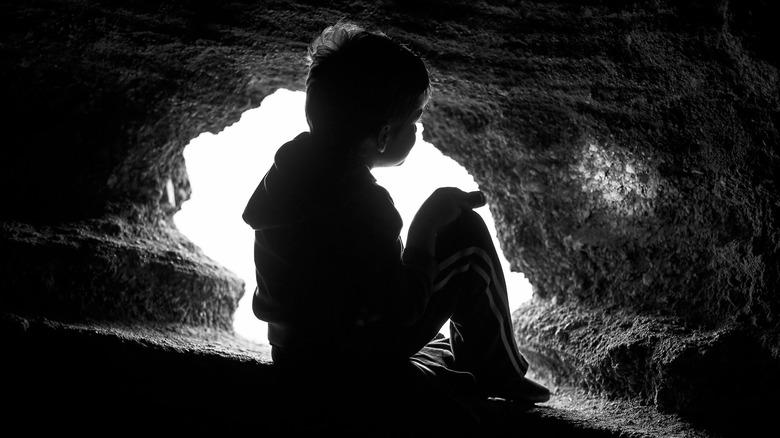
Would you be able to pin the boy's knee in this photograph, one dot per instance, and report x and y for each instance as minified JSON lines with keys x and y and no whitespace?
{"x":473,"y":218}
{"x":469,"y":228}
{"x":470,"y":221}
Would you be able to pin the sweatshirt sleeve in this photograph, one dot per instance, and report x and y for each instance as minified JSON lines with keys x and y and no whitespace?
{"x":420,"y":270}
{"x":400,"y":280}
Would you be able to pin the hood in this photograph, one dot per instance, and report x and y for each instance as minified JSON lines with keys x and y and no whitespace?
{"x":302,"y":185}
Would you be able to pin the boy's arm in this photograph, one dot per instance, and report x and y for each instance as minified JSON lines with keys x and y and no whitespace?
{"x":402,"y":285}
{"x":419,"y":262}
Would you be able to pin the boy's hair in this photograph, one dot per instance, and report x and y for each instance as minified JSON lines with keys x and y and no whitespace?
{"x":359,"y":81}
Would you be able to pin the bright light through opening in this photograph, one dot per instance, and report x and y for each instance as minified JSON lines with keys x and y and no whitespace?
{"x":224,"y":170}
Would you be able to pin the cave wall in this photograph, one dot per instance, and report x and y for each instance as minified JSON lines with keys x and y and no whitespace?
{"x":628,"y":150}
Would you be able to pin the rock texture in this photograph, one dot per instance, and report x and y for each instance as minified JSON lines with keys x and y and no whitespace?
{"x":629,"y":151}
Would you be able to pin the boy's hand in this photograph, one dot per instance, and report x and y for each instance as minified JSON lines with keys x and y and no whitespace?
{"x":445,"y":205}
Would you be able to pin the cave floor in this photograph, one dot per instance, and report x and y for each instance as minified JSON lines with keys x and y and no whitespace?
{"x":191,"y":374}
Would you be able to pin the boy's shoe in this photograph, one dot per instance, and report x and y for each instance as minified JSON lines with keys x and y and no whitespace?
{"x":523,"y":391}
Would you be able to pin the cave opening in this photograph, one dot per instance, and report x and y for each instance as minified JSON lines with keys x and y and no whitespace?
{"x":224,"y":169}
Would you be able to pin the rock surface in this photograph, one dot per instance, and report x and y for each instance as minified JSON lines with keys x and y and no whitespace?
{"x":629,"y":152}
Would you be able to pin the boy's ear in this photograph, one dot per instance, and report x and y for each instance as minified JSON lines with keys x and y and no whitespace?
{"x":383,"y":138}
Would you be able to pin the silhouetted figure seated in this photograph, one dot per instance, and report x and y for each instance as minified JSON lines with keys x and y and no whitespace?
{"x":346,"y":304}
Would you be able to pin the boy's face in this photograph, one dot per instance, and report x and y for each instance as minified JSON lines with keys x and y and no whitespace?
{"x":402,"y":138}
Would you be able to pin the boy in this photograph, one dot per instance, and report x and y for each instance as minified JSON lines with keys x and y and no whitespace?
{"x":335,"y":284}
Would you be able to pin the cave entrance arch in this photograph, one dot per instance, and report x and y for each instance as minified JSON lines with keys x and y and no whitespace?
{"x":225,"y":168}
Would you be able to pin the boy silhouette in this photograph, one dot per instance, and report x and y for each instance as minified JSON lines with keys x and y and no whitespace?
{"x":335,"y":283}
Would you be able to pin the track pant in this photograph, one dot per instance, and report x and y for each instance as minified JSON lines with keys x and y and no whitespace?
{"x":470,"y":290}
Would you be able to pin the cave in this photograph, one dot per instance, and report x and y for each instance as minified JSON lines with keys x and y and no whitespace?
{"x":628,"y":151}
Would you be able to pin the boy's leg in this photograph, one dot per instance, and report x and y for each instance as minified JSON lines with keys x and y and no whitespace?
{"x":471,"y":291}
{"x":481,"y":332}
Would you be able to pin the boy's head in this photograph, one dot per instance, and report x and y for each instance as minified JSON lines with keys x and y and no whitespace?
{"x":360,"y":81}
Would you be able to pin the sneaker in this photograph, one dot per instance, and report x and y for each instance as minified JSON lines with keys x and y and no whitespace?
{"x":523,"y":391}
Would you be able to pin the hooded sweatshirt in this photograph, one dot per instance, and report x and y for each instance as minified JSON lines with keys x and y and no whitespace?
{"x":328,"y":254}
